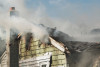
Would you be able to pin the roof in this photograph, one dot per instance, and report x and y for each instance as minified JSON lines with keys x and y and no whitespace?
{"x":81,"y":46}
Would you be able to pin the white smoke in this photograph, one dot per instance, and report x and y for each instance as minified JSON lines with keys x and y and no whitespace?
{"x":24,"y":26}
{"x":79,"y":27}
{"x":20,"y":23}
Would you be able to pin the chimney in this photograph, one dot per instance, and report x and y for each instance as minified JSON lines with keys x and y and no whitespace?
{"x":13,"y":12}
{"x":14,"y":49}
{"x":13,"y":45}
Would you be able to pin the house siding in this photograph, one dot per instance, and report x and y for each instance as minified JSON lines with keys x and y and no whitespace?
{"x":36,"y":49}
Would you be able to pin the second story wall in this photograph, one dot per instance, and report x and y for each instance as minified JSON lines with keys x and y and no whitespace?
{"x":36,"y":49}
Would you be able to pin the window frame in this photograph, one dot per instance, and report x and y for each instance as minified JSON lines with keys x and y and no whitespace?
{"x":45,"y":63}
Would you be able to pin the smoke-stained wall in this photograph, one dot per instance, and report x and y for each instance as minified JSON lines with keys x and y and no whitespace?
{"x":38,"y":49}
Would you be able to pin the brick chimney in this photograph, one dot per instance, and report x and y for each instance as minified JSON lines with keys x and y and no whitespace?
{"x":13,"y":44}
{"x":13,"y":12}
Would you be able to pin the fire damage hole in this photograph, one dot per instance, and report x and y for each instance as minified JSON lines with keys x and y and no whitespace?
{"x":28,"y":38}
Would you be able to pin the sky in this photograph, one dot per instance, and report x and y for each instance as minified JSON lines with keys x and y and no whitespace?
{"x":75,"y":11}
{"x":82,"y":12}
{"x":78,"y":12}
{"x":66,"y":8}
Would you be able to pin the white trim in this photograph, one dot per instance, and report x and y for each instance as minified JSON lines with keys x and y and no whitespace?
{"x":57,"y":44}
{"x":60,"y":66}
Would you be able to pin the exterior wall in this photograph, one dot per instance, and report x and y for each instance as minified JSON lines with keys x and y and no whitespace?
{"x":36,"y":61}
{"x":36,"y":50}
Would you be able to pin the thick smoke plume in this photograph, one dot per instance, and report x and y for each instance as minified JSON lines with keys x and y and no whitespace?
{"x":78,"y":30}
{"x":23,"y":26}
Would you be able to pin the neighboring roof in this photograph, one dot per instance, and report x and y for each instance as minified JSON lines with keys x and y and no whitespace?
{"x":69,"y":41}
{"x":74,"y":46}
{"x":3,"y":55}
{"x":95,"y":31}
{"x":81,"y":46}
{"x":5,"y":52}
{"x":2,"y":46}
{"x":82,"y":52}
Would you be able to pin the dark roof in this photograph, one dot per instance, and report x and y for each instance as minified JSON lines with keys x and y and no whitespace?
{"x":81,"y":46}
{"x":69,"y":42}
{"x":95,"y":31}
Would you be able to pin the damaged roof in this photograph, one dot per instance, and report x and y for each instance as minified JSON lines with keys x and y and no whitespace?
{"x":81,"y":46}
{"x":70,"y":42}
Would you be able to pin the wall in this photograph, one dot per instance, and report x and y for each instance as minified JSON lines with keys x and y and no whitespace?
{"x":37,"y":49}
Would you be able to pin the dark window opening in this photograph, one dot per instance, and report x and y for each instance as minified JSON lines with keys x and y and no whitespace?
{"x":44,"y":65}
{"x":28,"y":38}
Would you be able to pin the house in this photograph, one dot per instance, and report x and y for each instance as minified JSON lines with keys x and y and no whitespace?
{"x":31,"y":52}
{"x":43,"y":55}
{"x":37,"y":54}
{"x":53,"y":54}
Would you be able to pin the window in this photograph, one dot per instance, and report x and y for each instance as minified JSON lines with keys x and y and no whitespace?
{"x":44,"y":65}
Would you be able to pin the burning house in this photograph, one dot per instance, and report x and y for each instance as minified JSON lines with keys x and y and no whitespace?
{"x":25,"y":50}
{"x":60,"y":50}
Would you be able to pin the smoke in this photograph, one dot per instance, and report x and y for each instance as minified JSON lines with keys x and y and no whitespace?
{"x":18,"y":24}
{"x":24,"y":26}
{"x":77,"y":26}
{"x":69,"y":19}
